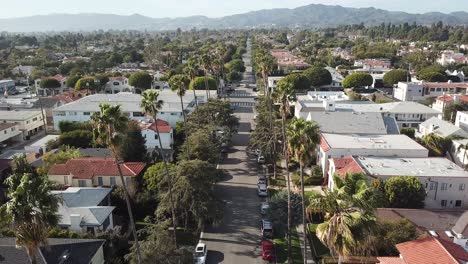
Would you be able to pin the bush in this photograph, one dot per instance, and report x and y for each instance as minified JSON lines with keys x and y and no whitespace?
{"x":141,"y":80}
{"x":433,"y":77}
{"x":405,"y":192}
{"x":199,"y":84}
{"x":68,"y":126}
{"x":318,"y":76}
{"x":394,"y":76}
{"x":308,"y":180}
{"x":410,"y":132}
{"x":358,"y":79}
{"x":77,"y":139}
{"x":49,"y":83}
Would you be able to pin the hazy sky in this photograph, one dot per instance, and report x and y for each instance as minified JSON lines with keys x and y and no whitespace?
{"x":211,"y":8}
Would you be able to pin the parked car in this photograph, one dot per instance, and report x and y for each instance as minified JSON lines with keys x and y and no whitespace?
{"x":200,"y":254}
{"x":264,"y":208}
{"x":258,"y":152}
{"x":3,"y":145}
{"x":268,"y":252}
{"x":262,"y":190}
{"x":262,"y":179}
{"x":267,"y":228}
{"x":261,"y":159}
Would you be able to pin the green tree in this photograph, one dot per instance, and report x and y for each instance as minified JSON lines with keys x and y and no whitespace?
{"x":133,"y":147}
{"x":31,"y":209}
{"x":109,"y":126}
{"x":76,"y":138}
{"x":394,"y":76}
{"x":405,"y":192}
{"x":437,"y":145}
{"x":236,"y":65}
{"x":318,"y":76}
{"x":303,"y":138}
{"x":278,"y":211}
{"x":151,"y":105}
{"x":72,"y":80}
{"x":234,"y":76}
{"x":155,"y":174}
{"x":87,"y":83}
{"x":349,"y":223}
{"x":410,"y":132}
{"x":68,"y":126}
{"x":199,"y":83}
{"x":390,"y":233}
{"x":433,"y":77}
{"x":141,"y":80}
{"x":202,"y":146}
{"x":179,"y":83}
{"x":300,"y":81}
{"x":357,"y":79}
{"x":191,"y":69}
{"x":49,"y":83}
{"x":61,"y":157}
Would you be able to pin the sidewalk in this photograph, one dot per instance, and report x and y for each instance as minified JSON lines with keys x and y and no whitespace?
{"x":300,"y":235}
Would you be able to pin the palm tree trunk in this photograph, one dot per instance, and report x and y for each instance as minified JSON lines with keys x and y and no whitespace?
{"x":31,"y":251}
{"x":185,"y":126}
{"x":195,"y":96}
{"x":270,"y":109}
{"x":129,"y":209}
{"x":206,"y":86}
{"x":288,"y":184}
{"x":171,"y":200}
{"x":303,"y":213}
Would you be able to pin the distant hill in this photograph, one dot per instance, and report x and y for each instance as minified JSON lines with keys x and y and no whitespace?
{"x":314,"y":15}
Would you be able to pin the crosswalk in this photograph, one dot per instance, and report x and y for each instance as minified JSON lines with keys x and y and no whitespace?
{"x":240,"y":94}
{"x":243,"y":104}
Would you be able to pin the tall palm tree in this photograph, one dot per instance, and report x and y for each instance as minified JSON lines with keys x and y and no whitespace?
{"x":151,"y":105}
{"x":180,"y":83}
{"x":283,"y":94}
{"x":191,"y":69}
{"x":303,"y":138}
{"x":109,"y":124}
{"x":465,"y":153}
{"x":31,"y":210}
{"x":206,"y":62}
{"x":348,"y":225}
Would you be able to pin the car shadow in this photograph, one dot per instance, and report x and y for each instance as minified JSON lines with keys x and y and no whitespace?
{"x":214,"y":257}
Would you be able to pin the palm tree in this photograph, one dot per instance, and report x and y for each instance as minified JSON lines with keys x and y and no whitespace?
{"x":465,"y":153}
{"x":303,"y":138}
{"x":31,"y":210}
{"x":436,"y":144}
{"x":348,"y":225}
{"x":283,"y":94}
{"x":179,"y":83}
{"x":109,"y":125}
{"x":206,"y":62}
{"x":151,"y":105}
{"x":191,"y":69}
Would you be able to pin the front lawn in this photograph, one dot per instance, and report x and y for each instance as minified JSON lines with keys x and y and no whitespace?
{"x":281,"y":246}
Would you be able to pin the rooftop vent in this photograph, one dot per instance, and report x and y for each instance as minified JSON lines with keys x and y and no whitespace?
{"x":433,"y":233}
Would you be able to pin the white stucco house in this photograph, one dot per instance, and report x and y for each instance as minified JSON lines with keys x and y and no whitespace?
{"x":28,"y":122}
{"x":416,"y":91}
{"x":118,"y":85}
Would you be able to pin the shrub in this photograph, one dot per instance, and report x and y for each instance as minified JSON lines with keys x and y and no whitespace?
{"x":68,"y":126}
{"x":199,"y":84}
{"x":358,"y":79}
{"x":77,"y":139}
{"x":394,"y":76}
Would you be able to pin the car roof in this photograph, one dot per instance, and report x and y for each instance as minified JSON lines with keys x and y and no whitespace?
{"x":267,"y":243}
{"x":262,"y":186}
{"x":200,"y":245}
{"x":267,"y":224}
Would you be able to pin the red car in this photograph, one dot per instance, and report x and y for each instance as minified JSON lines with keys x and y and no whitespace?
{"x":268,"y":251}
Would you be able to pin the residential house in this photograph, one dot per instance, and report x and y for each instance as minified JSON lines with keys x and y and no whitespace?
{"x":377,"y":68}
{"x":349,"y":123}
{"x":88,"y":172}
{"x":28,"y":122}
{"x":272,"y":81}
{"x":335,"y":146}
{"x":443,"y":101}
{"x":416,"y":91}
{"x":85,"y":210}
{"x":44,"y":92}
{"x":6,"y":85}
{"x":40,"y":146}
{"x":58,"y":250}
{"x":118,"y":85}
{"x":461,"y":120}
{"x":431,"y":250}
{"x":449,"y":57}
{"x":444,"y":181}
{"x":287,"y":61}
{"x":440,"y":127}
{"x":149,"y":132}
{"x":9,"y":132}
{"x":455,"y":73}
{"x":171,"y":111}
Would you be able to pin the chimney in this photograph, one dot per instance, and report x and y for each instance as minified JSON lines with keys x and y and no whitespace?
{"x":75,"y":222}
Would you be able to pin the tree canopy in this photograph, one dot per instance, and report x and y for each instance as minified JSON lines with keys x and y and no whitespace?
{"x":141,"y":80}
{"x":298,"y":80}
{"x":405,"y":192}
{"x":86,"y":83}
{"x":318,"y":76}
{"x":394,"y":76}
{"x":199,"y":83}
{"x":49,"y":83}
{"x":358,"y":79}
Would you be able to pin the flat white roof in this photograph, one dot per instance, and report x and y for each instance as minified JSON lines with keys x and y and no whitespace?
{"x":43,"y":141}
{"x":18,"y":115}
{"x":400,"y":142}
{"x":419,"y":167}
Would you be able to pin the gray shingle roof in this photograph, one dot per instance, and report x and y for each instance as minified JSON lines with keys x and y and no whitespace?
{"x":349,"y":123}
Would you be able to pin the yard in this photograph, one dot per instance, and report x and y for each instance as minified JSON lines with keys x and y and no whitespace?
{"x":281,"y":246}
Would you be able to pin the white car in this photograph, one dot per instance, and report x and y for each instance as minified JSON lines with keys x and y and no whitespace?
{"x":262,"y":190}
{"x":261,"y":159}
{"x":264,"y":208}
{"x":200,"y":254}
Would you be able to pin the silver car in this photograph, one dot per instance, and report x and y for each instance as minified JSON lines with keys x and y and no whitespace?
{"x":200,"y":254}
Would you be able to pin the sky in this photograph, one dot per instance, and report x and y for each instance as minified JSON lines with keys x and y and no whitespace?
{"x":211,"y":8}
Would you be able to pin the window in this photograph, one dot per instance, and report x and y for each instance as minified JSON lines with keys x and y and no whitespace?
{"x":27,"y":122}
{"x":60,"y":114}
{"x":458,"y":203}
{"x":112,"y":181}
{"x":72,"y":113}
{"x":86,"y":113}
{"x":35,"y":119}
{"x":116,"y":83}
{"x":443,"y":187}
{"x":65,"y":180}
{"x":443,"y":203}
{"x":155,"y":136}
{"x":100,"y":183}
{"x":90,"y":229}
{"x":4,"y":132}
{"x":432,"y":186}
{"x":173,"y":114}
{"x":13,"y":128}
{"x":81,"y":183}
{"x":461,"y":187}
{"x":138,"y":114}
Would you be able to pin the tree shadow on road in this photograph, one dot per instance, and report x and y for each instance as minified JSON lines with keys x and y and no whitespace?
{"x":214,"y":257}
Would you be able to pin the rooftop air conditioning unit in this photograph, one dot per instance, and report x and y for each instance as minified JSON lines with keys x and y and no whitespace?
{"x":433,"y":233}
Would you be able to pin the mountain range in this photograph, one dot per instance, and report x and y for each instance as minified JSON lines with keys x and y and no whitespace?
{"x":314,"y":15}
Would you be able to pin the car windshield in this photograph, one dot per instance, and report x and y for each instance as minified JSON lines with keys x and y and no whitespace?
{"x":199,"y":254}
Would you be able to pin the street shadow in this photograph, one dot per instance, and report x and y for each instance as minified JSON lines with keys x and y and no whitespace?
{"x":214,"y":257}
{"x":241,"y":109}
{"x":231,"y":161}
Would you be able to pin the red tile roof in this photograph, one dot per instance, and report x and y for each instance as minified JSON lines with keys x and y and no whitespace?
{"x":445,"y":85}
{"x":87,"y":168}
{"x":118,"y":78}
{"x":390,"y":260}
{"x":346,"y":165}
{"x":163,"y":126}
{"x":431,"y":250}
{"x":59,"y":77}
{"x":324,"y":144}
{"x":449,"y":98}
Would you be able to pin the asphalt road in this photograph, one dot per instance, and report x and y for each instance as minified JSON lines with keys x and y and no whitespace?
{"x":237,"y":238}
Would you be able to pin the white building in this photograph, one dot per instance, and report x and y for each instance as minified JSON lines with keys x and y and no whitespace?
{"x":338,"y":146}
{"x":459,"y":153}
{"x":459,"y":74}
{"x":415,"y":91}
{"x":6,"y":85}
{"x":118,"y":85}
{"x":171,"y":111}
{"x":442,"y":102}
{"x":440,"y":127}
{"x":449,"y":56}
{"x":148,"y":131}
{"x":28,"y":122}
{"x":44,"y":92}
{"x":9,"y":131}
{"x":85,"y":210}
{"x":273,"y":80}
{"x":40,"y":146}
{"x":444,"y":181}
{"x":461,"y":120}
